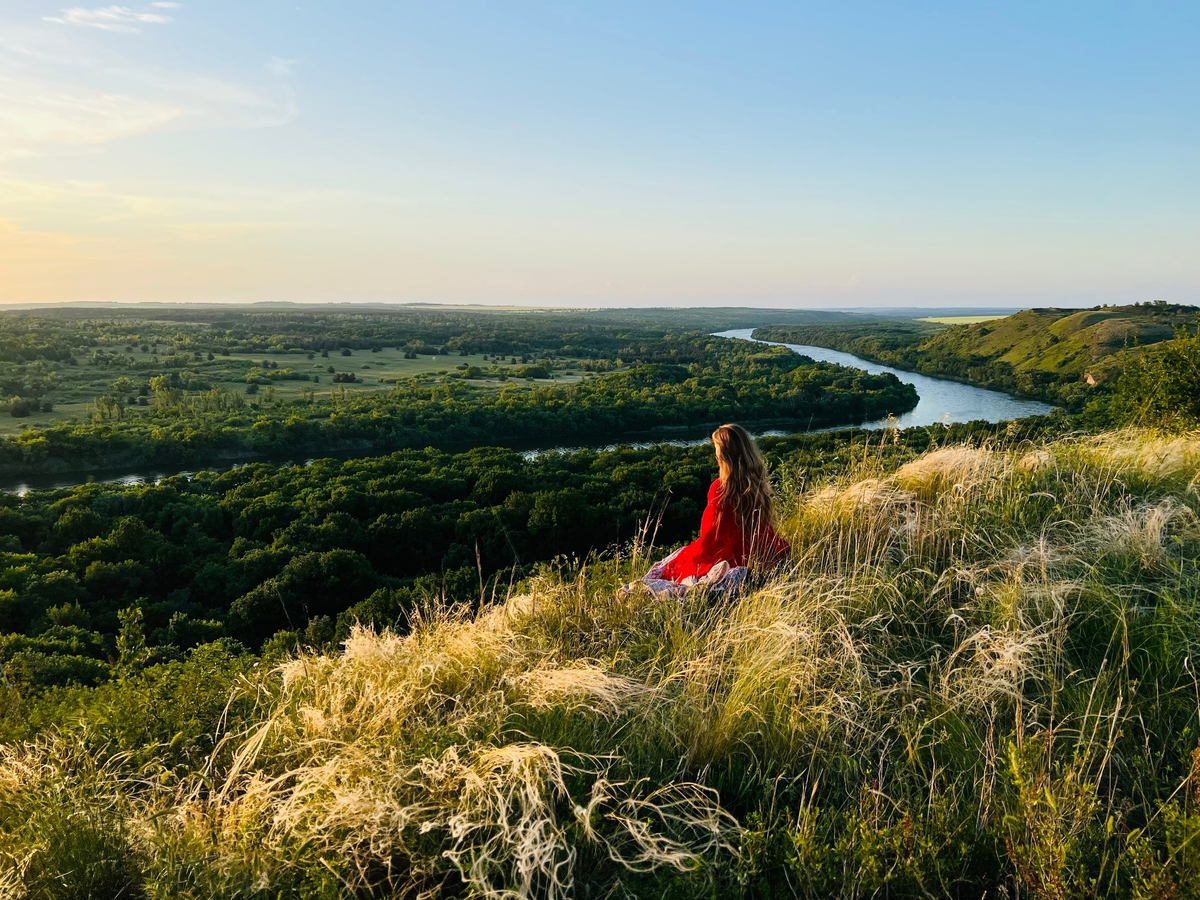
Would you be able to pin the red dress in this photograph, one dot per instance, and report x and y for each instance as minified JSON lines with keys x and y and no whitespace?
{"x":722,"y":539}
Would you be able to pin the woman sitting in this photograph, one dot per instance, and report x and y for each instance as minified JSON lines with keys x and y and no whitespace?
{"x":737,"y":530}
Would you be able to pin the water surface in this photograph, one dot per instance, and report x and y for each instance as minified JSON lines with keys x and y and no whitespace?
{"x":941,"y":400}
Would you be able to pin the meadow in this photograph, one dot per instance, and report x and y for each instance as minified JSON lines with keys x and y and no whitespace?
{"x":973,"y":678}
{"x":957,"y":320}
{"x":76,"y":393}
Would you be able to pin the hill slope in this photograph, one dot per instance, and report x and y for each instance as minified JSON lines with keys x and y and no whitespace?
{"x":973,"y":679}
{"x":1059,"y":355}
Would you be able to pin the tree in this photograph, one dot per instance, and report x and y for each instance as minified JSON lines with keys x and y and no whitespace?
{"x":132,"y":652}
{"x":1161,"y":385}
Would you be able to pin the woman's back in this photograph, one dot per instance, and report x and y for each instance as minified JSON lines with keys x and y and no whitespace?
{"x":725,"y":537}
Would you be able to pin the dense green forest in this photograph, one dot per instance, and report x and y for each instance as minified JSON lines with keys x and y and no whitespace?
{"x":1068,"y":357}
{"x":621,"y":382}
{"x":64,"y":364}
{"x":303,"y":552}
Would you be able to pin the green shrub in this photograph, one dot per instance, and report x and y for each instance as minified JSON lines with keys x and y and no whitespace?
{"x":1161,"y":385}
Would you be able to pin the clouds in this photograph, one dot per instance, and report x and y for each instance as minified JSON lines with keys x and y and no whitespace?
{"x":35,"y":112}
{"x":62,"y":89}
{"x":280,"y":67}
{"x":113,"y":18}
{"x":66,"y":82}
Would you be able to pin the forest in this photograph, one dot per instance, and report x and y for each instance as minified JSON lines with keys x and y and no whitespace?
{"x":189,"y":399}
{"x":301,"y":553}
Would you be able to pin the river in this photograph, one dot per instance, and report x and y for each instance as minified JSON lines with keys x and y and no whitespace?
{"x":941,"y":401}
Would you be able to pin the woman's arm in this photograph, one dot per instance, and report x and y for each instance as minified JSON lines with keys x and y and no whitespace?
{"x":710,"y":547}
{"x":698,"y":554}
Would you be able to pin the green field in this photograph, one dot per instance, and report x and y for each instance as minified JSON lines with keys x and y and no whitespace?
{"x":373,"y":371}
{"x":957,"y":320}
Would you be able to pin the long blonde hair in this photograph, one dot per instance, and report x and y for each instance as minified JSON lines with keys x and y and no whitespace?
{"x":745,"y":488}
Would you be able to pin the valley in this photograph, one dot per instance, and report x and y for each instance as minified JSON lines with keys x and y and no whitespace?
{"x":343,"y":657}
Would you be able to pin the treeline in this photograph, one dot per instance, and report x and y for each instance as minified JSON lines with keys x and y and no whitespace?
{"x":1161,"y":385}
{"x":291,"y":554}
{"x":688,"y":380}
{"x":71,"y":333}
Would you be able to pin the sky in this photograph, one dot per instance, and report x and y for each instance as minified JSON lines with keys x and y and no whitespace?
{"x":791,"y":154}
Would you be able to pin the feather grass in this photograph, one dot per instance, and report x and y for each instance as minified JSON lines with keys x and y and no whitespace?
{"x":974,"y":673}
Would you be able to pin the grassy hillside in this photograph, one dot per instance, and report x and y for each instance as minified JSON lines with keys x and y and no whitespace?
{"x":974,"y":678}
{"x":1060,"y":355}
{"x":1065,"y":345}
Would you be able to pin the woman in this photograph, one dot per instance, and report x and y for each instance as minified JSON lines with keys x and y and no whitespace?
{"x":738,"y":524}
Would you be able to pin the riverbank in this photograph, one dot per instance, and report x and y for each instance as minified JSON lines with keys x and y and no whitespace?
{"x":1069,"y":357}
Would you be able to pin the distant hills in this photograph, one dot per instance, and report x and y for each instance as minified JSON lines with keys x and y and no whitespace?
{"x":1061,"y":355}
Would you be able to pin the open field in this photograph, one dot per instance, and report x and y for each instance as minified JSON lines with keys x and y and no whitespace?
{"x":957,"y":320}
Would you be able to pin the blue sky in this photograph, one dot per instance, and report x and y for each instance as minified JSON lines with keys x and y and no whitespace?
{"x":848,"y":154}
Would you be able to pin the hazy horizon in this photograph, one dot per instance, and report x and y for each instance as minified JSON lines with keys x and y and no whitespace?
{"x":765,"y":154}
{"x":405,"y":304}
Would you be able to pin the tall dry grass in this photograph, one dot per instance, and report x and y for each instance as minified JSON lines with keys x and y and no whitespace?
{"x":975,"y":675}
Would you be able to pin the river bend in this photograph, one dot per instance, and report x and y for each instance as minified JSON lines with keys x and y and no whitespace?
{"x":941,"y":400}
